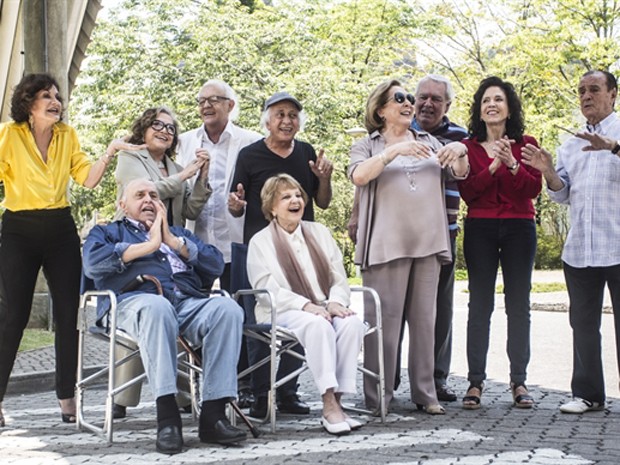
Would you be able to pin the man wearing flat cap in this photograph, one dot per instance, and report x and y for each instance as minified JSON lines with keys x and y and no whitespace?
{"x":279,"y":152}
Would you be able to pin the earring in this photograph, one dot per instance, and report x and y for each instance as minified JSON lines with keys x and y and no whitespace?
{"x":31,"y":122}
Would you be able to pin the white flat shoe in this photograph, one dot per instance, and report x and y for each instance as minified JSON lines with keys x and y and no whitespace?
{"x":337,"y":429}
{"x":353,"y":424}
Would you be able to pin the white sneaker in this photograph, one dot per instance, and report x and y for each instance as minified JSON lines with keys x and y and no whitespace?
{"x":579,"y":405}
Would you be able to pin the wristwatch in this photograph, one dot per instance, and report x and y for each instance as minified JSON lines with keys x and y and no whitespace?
{"x":616,"y":148}
{"x":515,"y":166}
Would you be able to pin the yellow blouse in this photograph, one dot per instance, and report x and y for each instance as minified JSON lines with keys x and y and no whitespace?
{"x":29,"y":182}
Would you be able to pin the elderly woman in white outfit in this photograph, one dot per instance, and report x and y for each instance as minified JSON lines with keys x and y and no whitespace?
{"x":300,"y":263}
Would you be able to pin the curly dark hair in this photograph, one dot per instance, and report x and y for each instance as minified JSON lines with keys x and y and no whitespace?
{"x":24,"y":95}
{"x":139,"y":127}
{"x":377,"y":100}
{"x":515,"y":124}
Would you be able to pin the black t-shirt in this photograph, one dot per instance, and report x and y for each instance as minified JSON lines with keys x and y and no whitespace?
{"x":256,"y":163}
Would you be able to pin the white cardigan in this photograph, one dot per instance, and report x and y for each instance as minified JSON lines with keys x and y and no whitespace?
{"x":264,"y":272}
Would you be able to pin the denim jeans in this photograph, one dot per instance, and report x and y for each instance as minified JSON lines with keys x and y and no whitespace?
{"x":487,"y":244}
{"x":213,"y":323}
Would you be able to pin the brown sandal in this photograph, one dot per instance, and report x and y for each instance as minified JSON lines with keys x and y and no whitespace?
{"x":521,"y":400}
{"x":471,"y":401}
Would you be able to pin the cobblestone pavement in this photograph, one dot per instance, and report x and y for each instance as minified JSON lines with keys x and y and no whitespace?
{"x":496,"y":434}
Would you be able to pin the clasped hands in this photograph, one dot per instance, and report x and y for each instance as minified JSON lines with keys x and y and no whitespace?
{"x":159,"y":230}
{"x":331,"y":310}
{"x":447,"y":155}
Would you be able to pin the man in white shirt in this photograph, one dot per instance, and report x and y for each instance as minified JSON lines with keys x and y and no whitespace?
{"x":218,"y":107}
{"x":587,"y":178}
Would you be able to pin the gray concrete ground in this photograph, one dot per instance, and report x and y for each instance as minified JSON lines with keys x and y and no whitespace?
{"x":496,"y":434}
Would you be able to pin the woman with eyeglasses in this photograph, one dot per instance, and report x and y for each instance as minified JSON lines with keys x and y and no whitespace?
{"x":38,"y":156}
{"x":157,"y":128}
{"x":402,"y":237}
{"x":499,"y":229}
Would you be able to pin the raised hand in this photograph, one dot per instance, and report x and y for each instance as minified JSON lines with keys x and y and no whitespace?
{"x":192,"y":168}
{"x":236,"y":201}
{"x":538,"y":158}
{"x":597,"y":141}
{"x":450,"y":153}
{"x":323,"y":167}
{"x":503,"y":151}
{"x":202,"y":154}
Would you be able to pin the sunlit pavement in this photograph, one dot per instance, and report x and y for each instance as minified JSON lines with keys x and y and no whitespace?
{"x":496,"y":434}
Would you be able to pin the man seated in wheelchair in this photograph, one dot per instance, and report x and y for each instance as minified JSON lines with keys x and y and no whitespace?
{"x":143,"y":243}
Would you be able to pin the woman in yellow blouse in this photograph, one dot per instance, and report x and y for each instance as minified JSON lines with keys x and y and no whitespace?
{"x":38,"y":154}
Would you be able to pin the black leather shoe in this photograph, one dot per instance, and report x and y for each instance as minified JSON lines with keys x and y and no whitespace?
{"x":222,"y":432}
{"x":258,"y":409}
{"x":445,"y":394}
{"x":245,"y":398}
{"x":169,"y":440}
{"x":292,"y":404}
{"x":119,"y":411}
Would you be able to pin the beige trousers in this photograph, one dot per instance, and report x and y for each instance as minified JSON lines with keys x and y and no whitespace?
{"x":408,"y":289}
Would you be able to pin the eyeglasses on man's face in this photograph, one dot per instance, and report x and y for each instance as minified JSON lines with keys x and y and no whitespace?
{"x":213,"y":100}
{"x":400,"y":97}
{"x":160,"y":126}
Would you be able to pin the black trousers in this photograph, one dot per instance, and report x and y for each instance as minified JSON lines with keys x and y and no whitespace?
{"x":31,"y":240}
{"x":586,"y":287}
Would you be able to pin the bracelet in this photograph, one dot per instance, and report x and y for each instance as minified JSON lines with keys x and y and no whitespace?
{"x":107,"y":158}
{"x":515,"y":166}
{"x":383,"y":159}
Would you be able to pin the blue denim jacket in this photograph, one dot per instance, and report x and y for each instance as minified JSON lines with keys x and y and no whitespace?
{"x":106,"y":244}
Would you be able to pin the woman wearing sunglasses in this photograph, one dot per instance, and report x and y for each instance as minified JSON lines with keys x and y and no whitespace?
{"x":158,"y":130}
{"x":402,"y":237}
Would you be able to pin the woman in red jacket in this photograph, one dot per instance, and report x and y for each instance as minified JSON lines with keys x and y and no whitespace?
{"x":499,"y":230}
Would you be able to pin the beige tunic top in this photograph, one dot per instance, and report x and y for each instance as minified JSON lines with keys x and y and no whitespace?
{"x":402,"y":212}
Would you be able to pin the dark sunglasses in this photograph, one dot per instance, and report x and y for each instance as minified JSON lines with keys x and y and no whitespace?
{"x":160,"y":126}
{"x":400,"y":97}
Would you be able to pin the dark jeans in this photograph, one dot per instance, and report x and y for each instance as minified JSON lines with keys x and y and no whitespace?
{"x":256,"y":350}
{"x":586,"y":288}
{"x":488,"y":243}
{"x":31,"y":240}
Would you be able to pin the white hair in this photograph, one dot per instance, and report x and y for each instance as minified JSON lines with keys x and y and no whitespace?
{"x":228,"y":92}
{"x":264,"y":117}
{"x":441,"y":80}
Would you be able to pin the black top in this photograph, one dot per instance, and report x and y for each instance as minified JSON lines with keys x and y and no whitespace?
{"x":256,"y":163}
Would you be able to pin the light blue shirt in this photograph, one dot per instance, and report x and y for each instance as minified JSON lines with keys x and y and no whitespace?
{"x":592,"y":191}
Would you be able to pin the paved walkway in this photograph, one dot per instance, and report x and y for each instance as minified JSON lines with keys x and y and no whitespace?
{"x":496,"y":434}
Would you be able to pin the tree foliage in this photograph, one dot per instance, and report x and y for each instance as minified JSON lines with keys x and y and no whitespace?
{"x":330,"y":54}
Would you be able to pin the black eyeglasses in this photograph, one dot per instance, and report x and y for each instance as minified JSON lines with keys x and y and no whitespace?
{"x":160,"y":126}
{"x":213,"y":100}
{"x":400,"y":97}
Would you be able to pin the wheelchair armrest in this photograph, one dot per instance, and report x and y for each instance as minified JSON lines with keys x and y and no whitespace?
{"x":377,"y":302}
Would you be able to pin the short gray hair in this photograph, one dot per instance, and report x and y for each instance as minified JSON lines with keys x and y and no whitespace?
{"x":441,"y":80}
{"x":265,"y":116}
{"x":228,"y":92}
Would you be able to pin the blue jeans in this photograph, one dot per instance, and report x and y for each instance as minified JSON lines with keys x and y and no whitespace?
{"x":213,"y":323}
{"x":586,"y":288}
{"x":488,"y":243}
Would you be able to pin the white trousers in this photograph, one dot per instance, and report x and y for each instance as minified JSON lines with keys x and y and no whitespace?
{"x":331,"y":348}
